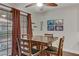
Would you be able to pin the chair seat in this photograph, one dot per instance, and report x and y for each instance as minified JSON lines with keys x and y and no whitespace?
{"x":34,"y":51}
{"x":51,"y":49}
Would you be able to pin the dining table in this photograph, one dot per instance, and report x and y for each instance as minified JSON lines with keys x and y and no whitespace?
{"x":41,"y":42}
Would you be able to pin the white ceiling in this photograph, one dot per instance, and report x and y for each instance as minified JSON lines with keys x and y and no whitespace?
{"x":37,"y":9}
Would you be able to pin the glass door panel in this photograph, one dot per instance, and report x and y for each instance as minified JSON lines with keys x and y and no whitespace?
{"x":5,"y":32}
{"x":23,"y":24}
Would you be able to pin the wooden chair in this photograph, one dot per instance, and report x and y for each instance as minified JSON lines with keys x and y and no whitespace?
{"x":55,"y":51}
{"x":25,"y":47}
{"x":50,"y":38}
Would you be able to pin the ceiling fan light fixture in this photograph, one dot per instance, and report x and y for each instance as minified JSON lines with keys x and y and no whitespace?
{"x":39,"y":4}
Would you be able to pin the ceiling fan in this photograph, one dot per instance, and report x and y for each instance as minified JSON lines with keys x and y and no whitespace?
{"x":42,"y":4}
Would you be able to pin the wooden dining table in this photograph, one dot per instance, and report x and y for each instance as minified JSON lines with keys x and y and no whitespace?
{"x":40,"y":41}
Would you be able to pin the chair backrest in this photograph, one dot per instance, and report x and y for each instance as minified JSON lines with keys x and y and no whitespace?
{"x":24,"y":45}
{"x":50,"y":38}
{"x":60,"y":48}
{"x":48,"y":34}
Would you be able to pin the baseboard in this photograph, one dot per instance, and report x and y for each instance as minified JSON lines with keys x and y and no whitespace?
{"x":72,"y":52}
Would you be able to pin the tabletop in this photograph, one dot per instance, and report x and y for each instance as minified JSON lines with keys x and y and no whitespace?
{"x":43,"y":39}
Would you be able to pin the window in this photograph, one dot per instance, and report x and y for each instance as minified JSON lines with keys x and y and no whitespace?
{"x":23,"y":24}
{"x":5,"y":32}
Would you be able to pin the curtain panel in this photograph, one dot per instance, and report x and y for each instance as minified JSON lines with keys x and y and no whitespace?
{"x":29,"y":26}
{"x":15,"y":30}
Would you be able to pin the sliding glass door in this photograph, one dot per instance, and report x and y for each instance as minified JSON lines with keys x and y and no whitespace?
{"x":5,"y":32}
{"x":23,"y":25}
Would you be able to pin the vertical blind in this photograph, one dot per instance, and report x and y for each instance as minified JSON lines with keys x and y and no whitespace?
{"x":8,"y":29}
{"x":5,"y":32}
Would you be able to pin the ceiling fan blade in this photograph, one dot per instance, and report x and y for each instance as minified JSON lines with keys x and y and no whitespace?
{"x":29,"y":5}
{"x":51,"y":4}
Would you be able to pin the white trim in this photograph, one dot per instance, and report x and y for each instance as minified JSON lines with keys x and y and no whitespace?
{"x":71,"y":51}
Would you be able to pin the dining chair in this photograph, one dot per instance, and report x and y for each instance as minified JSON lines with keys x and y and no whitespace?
{"x":49,"y":38}
{"x":51,"y":50}
{"x":25,"y":47}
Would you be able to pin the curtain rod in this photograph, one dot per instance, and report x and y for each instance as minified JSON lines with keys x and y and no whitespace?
{"x":12,"y":7}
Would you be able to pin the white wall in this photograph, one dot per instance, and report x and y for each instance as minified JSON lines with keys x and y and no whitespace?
{"x":71,"y":28}
{"x":37,"y":18}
